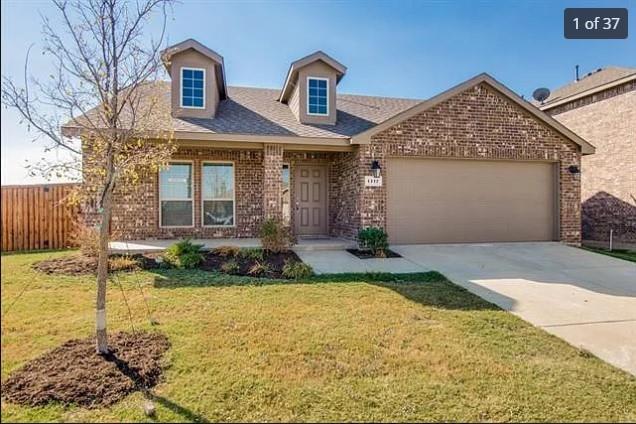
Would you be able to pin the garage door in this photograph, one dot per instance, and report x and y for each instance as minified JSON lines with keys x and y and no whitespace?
{"x":455,"y":201}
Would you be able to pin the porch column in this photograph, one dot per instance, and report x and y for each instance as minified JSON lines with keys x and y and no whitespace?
{"x":272,"y":181}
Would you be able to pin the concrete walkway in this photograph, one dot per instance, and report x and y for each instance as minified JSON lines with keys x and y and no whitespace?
{"x":585,"y":298}
{"x":339,"y":261}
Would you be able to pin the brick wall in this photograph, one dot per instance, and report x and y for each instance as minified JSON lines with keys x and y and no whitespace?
{"x":608,"y":180}
{"x":480,"y":124}
{"x":136,"y":214}
{"x":272,"y":181}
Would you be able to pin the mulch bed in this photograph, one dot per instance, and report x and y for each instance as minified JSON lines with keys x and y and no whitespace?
{"x":73,"y":374}
{"x":365,"y":254}
{"x":80,"y":264}
{"x":275,"y":262}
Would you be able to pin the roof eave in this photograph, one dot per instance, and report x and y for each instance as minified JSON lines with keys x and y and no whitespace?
{"x":589,"y":92}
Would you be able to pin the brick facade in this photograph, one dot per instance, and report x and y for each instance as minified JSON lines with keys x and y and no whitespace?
{"x":478,"y":123}
{"x":608,"y":183}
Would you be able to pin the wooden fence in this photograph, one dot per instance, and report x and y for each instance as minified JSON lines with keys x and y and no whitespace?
{"x":37,"y":217}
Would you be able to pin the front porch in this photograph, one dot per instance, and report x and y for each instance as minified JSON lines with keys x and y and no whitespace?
{"x":303,"y":244}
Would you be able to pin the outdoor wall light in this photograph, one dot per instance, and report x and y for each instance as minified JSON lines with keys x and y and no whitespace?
{"x":376,"y":169}
{"x":574,"y":169}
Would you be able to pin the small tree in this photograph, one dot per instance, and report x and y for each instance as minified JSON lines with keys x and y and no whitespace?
{"x":104,"y":69}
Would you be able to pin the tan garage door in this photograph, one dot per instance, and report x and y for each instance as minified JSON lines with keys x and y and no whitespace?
{"x":455,"y":201}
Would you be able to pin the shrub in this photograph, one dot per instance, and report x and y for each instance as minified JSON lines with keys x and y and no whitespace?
{"x":227,"y":251}
{"x":87,"y":239}
{"x":122,"y":263}
{"x":230,"y":267}
{"x":274,"y":236}
{"x":184,"y":254}
{"x":253,"y":253}
{"x":259,"y":268}
{"x":296,"y":270}
{"x":374,"y":239}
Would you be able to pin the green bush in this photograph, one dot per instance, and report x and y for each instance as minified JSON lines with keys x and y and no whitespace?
{"x":184,"y":254}
{"x":274,"y":236}
{"x":374,"y":239}
{"x":297,"y":270}
{"x":230,"y":267}
{"x":253,"y":253}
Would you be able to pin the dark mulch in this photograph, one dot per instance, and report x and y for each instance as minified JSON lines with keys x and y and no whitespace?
{"x":73,"y":374}
{"x":274,"y":261}
{"x":365,"y":254}
{"x":80,"y":264}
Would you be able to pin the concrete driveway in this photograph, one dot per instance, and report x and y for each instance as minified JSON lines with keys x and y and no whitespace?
{"x":585,"y":298}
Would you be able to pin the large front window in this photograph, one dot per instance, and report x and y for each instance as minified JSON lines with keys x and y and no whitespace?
{"x":192,"y":88}
{"x":217,"y":193}
{"x":175,"y":195}
{"x":317,"y":96}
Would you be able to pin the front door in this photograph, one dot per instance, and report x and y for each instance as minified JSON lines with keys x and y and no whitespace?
{"x":311,"y":200}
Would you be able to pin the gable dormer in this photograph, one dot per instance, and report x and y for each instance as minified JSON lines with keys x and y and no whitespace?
{"x":310,"y":88}
{"x":198,"y":79}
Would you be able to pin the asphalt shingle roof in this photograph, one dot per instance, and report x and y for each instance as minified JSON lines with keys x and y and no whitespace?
{"x":588,"y":82}
{"x":256,"y":111}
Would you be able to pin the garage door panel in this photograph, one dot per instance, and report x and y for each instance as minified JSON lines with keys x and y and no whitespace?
{"x":452,"y":201}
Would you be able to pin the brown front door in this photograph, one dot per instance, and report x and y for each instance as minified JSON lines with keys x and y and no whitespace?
{"x":311,"y":200}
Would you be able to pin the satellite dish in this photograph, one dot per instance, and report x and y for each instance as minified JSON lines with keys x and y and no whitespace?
{"x":541,"y":94}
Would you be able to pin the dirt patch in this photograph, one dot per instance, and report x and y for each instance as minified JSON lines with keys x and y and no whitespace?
{"x":80,"y":264}
{"x":273,"y":262}
{"x":365,"y":254}
{"x":73,"y":374}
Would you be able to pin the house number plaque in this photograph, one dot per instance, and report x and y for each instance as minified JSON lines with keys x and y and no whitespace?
{"x":371,"y":181}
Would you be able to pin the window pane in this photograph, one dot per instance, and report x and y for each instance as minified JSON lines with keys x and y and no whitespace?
{"x":192,"y":88}
{"x":218,"y":181}
{"x":285,"y":198}
{"x":197,"y":74}
{"x":175,"y":182}
{"x":218,"y":212}
{"x":176,"y":213}
{"x":317,"y":96}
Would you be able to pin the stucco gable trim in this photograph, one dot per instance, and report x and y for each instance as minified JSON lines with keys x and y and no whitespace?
{"x":193,"y":44}
{"x":301,"y":63}
{"x":365,"y":137}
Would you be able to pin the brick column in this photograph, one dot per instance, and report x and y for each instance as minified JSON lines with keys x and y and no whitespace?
{"x":272,"y":181}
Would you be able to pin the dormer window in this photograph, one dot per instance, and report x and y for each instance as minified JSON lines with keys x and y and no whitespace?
{"x":317,"y":96}
{"x":193,"y":88}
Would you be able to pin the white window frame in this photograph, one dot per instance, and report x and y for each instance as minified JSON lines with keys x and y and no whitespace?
{"x":186,"y":68}
{"x":203,"y":199}
{"x":177,"y":162}
{"x":321,"y":79}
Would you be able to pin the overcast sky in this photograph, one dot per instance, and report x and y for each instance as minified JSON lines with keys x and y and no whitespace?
{"x":391,"y":48}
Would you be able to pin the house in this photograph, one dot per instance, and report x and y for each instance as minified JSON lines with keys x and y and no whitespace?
{"x":601,"y":107}
{"x":475,"y":163}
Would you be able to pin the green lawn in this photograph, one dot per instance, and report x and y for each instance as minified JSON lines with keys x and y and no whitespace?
{"x":628,"y":255}
{"x":346,"y":348}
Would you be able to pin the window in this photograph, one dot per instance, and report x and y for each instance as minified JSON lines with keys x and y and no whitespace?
{"x":285,"y":197}
{"x":317,"y":96}
{"x":192,"y":88}
{"x":175,"y":195}
{"x":217,"y":193}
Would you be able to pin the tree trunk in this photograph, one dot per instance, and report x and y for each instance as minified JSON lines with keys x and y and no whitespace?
{"x":102,"y":270}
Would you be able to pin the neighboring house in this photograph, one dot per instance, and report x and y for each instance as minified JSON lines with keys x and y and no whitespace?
{"x":475,"y":163}
{"x":601,"y":107}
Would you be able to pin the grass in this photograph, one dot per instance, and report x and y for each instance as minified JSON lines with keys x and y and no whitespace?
{"x":628,"y":255}
{"x":350,"y":347}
